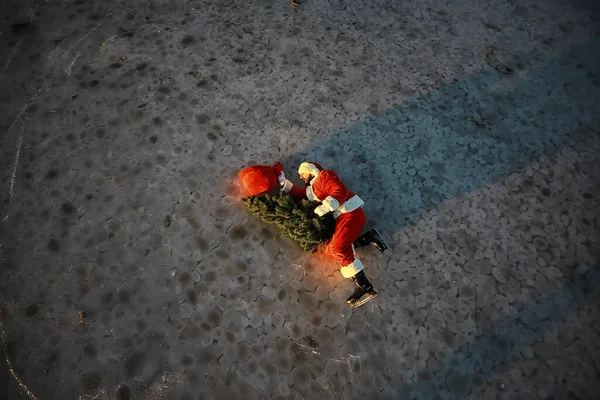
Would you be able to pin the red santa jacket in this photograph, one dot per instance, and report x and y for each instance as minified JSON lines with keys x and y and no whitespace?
{"x":328,"y":188}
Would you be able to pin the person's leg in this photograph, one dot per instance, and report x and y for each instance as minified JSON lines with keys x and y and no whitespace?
{"x":373,"y":238}
{"x":347,"y":229}
{"x":363,"y":291}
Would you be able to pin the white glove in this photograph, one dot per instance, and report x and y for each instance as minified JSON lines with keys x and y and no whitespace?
{"x":321,"y":210}
{"x":281,"y":177}
{"x":285,"y":185}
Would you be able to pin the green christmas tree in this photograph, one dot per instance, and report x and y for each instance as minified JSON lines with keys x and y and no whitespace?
{"x":296,"y":219}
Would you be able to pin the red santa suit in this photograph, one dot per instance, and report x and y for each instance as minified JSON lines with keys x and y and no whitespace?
{"x":328,"y":188}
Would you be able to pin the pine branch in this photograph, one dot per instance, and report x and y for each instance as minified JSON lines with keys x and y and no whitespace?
{"x":296,"y":220}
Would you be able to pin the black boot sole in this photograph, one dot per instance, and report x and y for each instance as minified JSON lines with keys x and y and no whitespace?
{"x":380,"y":237}
{"x":364,"y":300}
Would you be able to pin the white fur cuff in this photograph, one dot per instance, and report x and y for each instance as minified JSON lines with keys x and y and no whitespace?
{"x":351,"y":269}
{"x":330,"y":203}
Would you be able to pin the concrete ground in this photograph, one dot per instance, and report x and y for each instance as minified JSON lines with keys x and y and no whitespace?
{"x":129,"y":269}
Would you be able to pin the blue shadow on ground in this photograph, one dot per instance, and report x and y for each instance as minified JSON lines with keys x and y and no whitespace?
{"x":456,"y":139}
{"x":420,"y":153}
{"x":495,"y":349}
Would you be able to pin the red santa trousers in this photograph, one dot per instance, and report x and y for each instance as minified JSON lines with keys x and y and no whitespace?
{"x":347,"y":230}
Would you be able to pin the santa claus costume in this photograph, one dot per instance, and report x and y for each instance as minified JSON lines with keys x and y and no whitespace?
{"x":326,"y":187}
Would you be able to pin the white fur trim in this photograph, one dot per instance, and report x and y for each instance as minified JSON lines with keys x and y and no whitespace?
{"x":321,"y":210}
{"x":351,"y":204}
{"x":308,"y":168}
{"x":286,"y":185}
{"x":352,"y":269}
{"x":330,"y":203}
{"x":310,"y":194}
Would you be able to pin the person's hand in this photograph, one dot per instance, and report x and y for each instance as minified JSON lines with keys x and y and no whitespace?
{"x":285,"y":184}
{"x":321,"y":210}
{"x":281,"y":177}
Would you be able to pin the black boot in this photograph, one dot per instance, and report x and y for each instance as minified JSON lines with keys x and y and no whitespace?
{"x":363,"y":292}
{"x":373,"y":238}
{"x":362,"y":241}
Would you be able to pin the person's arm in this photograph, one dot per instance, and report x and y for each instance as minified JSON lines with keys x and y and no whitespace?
{"x":287,"y":186}
{"x":336,"y":192}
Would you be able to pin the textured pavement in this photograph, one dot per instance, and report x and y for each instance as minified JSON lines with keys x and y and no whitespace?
{"x":129,"y":269}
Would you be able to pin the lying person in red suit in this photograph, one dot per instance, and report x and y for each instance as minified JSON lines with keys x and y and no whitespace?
{"x":347,"y":208}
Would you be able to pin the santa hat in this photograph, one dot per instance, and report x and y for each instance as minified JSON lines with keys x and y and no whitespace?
{"x":259,"y":179}
{"x":311,"y":168}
